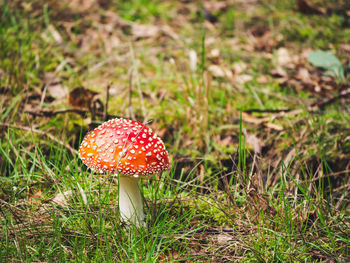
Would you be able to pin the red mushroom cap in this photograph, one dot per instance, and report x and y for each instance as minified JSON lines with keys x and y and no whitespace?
{"x":126,"y":147}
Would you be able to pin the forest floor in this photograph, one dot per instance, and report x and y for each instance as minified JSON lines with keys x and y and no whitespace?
{"x":251,"y":98}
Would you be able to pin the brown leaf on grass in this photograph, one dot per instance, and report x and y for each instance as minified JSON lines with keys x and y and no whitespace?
{"x":62,"y":198}
{"x":263,"y":79}
{"x":303,"y":75}
{"x":144,"y":31}
{"x":219,"y":71}
{"x":50,"y":34}
{"x":57,"y":91}
{"x":214,"y":56}
{"x":284,"y":58}
{"x":262,"y":39}
{"x":253,"y":141}
{"x":304,"y":7}
{"x":224,"y":239}
{"x":241,"y":79}
{"x":239,"y":67}
{"x":228,"y":140}
{"x":141,"y":31}
{"x":81,"y":97}
{"x":54,"y":87}
{"x":279,"y":73}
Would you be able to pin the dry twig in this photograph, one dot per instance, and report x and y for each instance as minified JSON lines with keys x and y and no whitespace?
{"x":49,"y":113}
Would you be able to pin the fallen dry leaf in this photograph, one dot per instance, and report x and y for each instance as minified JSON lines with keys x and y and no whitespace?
{"x":239,"y":67}
{"x":81,"y":97}
{"x":262,"y":39}
{"x":253,"y":141}
{"x":303,"y":75}
{"x":144,"y":31}
{"x":306,"y":8}
{"x":219,"y":72}
{"x":57,"y":91}
{"x":214,"y":56}
{"x":228,"y":140}
{"x":62,"y":198}
{"x":241,"y":79}
{"x":283,"y":57}
{"x":51,"y":34}
{"x":279,"y":73}
{"x":140,"y":31}
{"x":223,"y":239}
{"x":263,"y":79}
{"x":214,"y":53}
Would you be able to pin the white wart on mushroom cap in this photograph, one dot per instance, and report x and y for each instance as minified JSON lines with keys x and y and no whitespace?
{"x":126,"y":147}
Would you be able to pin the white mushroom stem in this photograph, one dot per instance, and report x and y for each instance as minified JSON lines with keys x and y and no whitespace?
{"x":130,"y":201}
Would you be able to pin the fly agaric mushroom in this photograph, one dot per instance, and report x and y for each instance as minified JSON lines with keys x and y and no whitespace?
{"x":131,"y":150}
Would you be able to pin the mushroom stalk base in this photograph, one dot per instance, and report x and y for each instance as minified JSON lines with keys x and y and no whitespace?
{"x":130,"y":201}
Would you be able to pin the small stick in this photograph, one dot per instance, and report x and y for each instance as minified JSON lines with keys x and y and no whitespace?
{"x":105,"y":112}
{"x":267,"y":110}
{"x":43,"y":95}
{"x":47,"y":113}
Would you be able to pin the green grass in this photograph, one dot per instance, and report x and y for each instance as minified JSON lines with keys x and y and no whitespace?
{"x":221,"y":201}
